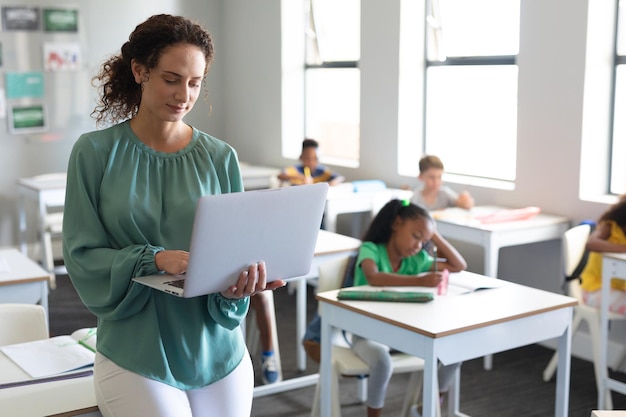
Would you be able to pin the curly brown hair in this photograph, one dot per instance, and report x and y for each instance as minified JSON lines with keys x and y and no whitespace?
{"x":119,"y":94}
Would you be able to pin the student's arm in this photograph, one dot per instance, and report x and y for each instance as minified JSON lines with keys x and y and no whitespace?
{"x":454,"y":261}
{"x":380,"y":279}
{"x":598,"y":242}
{"x":465,"y":200}
{"x":337,"y":180}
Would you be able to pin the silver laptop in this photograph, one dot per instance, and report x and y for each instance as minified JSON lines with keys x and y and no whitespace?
{"x":232,"y":231}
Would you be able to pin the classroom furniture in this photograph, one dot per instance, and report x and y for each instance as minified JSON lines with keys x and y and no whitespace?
{"x":574,"y":241}
{"x":21,"y":323}
{"x":482,"y":322}
{"x":329,"y":246}
{"x":603,"y":413}
{"x":46,"y":194}
{"x":347,"y":364}
{"x":258,"y":177}
{"x":613,"y":265}
{"x":69,"y":397}
{"x":348,"y":198}
{"x":22,"y":280}
{"x":462,"y":225}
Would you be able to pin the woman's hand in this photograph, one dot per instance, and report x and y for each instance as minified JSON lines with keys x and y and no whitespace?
{"x":252,"y":281}
{"x":172,"y":261}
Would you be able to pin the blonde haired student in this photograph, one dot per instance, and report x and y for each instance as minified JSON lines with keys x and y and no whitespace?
{"x":431,"y":193}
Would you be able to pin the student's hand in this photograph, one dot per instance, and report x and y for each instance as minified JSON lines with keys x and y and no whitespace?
{"x":252,"y":281}
{"x":172,"y":261}
{"x":430,"y":279}
{"x":465,"y":200}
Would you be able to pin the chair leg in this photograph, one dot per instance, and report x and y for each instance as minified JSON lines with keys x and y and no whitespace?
{"x":412,"y":392}
{"x":548,"y":372}
{"x":594,"y":333}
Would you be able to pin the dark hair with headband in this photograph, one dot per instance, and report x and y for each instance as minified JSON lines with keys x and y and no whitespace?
{"x":380,"y":228}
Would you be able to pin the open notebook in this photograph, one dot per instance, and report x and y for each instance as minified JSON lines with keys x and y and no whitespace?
{"x":232,"y":231}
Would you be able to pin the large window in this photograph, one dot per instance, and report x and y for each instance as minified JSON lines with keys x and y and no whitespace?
{"x":332,"y":79}
{"x":617,"y":174}
{"x":471,"y":86}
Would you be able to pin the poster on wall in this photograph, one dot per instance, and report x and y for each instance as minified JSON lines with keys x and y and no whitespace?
{"x":20,"y":18}
{"x":29,"y":118}
{"x":60,"y":20}
{"x":59,"y":56}
{"x":24,"y":84}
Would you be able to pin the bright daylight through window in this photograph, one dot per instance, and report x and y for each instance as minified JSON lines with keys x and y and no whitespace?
{"x":618,"y":148}
{"x":332,"y":79}
{"x":471,"y":86}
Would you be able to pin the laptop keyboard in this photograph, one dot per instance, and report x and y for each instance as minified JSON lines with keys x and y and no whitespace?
{"x":176,"y":283}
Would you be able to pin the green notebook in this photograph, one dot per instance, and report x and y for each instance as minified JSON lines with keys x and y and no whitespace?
{"x":385,"y":295}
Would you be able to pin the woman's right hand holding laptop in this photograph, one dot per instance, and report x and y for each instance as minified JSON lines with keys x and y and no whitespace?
{"x":252,"y":281}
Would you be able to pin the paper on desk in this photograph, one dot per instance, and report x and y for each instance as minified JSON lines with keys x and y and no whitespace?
{"x":52,"y":356}
{"x":458,"y":284}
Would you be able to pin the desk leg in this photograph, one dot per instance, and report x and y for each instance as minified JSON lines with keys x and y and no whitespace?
{"x":431,"y":385}
{"x":325,"y":367}
{"x":603,"y":391}
{"x":491,"y":270}
{"x":300,"y":322}
{"x":21,"y":213}
{"x":563,"y":372}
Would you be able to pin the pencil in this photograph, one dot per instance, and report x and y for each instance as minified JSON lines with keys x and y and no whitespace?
{"x":307,"y":172}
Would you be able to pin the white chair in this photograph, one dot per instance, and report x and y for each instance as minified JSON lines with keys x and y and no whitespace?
{"x":22,"y":323}
{"x":574,"y":241}
{"x":347,"y":364}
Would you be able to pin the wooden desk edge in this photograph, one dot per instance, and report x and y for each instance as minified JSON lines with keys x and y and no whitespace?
{"x":348,"y":306}
{"x":78,"y":412}
{"x":24,"y":280}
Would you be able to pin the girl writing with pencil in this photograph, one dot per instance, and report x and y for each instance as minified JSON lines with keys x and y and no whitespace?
{"x":393,"y":254}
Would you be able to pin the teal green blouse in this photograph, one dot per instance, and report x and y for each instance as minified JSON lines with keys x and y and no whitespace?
{"x":125,"y":202}
{"x":413,"y":265}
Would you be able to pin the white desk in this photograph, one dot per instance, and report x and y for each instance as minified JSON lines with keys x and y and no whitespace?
{"x":491,"y":321}
{"x":258,"y":177}
{"x":343,"y":199}
{"x":23,"y":281}
{"x":41,"y":192}
{"x":461,"y":225}
{"x":69,"y":397}
{"x":613,"y":265}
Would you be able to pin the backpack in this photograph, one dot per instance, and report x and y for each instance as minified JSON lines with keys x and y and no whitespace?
{"x":313,"y":335}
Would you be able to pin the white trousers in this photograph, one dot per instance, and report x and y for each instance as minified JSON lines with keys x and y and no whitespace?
{"x":121,"y":393}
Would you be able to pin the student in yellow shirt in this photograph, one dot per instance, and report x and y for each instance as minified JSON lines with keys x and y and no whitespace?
{"x":309,"y":170}
{"x":608,"y":236}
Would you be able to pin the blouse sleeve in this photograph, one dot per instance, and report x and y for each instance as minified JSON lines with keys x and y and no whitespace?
{"x":101,"y":274}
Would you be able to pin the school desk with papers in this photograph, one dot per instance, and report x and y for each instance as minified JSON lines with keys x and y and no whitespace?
{"x":53,"y":357}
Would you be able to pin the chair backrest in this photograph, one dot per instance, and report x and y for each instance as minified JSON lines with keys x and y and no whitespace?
{"x":22,"y":323}
{"x":574,"y":241}
{"x":332,"y":274}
